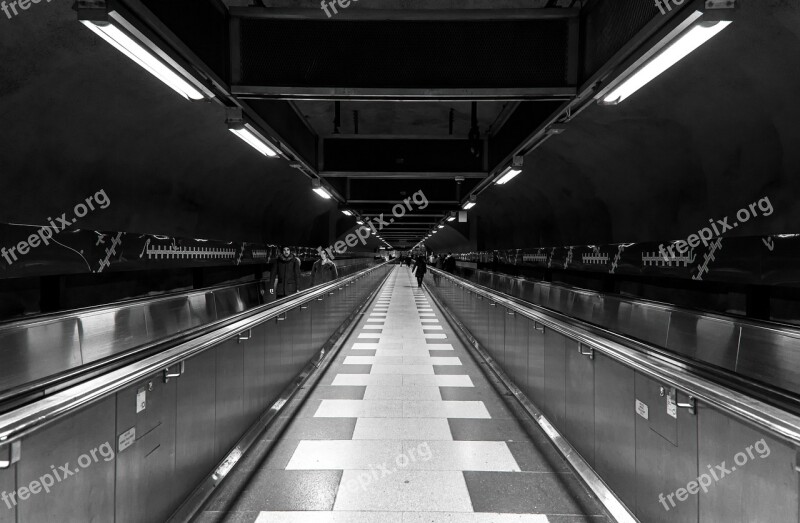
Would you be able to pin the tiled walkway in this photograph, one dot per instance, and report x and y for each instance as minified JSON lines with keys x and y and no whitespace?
{"x":404,"y":428}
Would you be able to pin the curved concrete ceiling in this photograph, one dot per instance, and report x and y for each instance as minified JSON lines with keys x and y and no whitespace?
{"x":717,"y":132}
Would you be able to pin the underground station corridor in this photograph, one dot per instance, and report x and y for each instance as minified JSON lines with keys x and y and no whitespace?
{"x":399,"y":261}
{"x":404,"y":427}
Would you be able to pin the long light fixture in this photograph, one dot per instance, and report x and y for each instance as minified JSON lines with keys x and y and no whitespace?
{"x":248,"y":133}
{"x":441,"y":226}
{"x":316,"y":186}
{"x":692,"y":38}
{"x":473,"y":201}
{"x":114,"y":29}
{"x":508,"y":175}
{"x":347,"y":213}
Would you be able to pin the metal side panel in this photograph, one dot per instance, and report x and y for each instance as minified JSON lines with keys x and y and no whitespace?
{"x":108,"y":333}
{"x":168,"y":317}
{"x":648,"y":323}
{"x":229,"y":424}
{"x":615,"y":427}
{"x":70,"y":443}
{"x":707,"y":339}
{"x":516,"y":348}
{"x":8,"y":484}
{"x":195,"y":422}
{"x":254,"y":402}
{"x":536,"y":363}
{"x":272,"y":361}
{"x":228,"y":302}
{"x":302,"y":348}
{"x":497,"y":331}
{"x":27,"y":353}
{"x":661,"y":466}
{"x":580,"y":401}
{"x":771,"y":357}
{"x":555,"y":384}
{"x":202,"y":308}
{"x":762,"y":484}
{"x":146,"y":469}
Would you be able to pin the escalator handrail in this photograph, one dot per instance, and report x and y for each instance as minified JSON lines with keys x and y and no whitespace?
{"x":29,"y":418}
{"x":752,"y":411}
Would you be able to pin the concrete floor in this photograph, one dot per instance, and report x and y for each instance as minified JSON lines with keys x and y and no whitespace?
{"x":405,"y":428}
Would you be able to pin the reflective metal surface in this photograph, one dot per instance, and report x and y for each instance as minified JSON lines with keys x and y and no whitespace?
{"x":765,"y":351}
{"x":624,"y":410}
{"x":183,"y":427}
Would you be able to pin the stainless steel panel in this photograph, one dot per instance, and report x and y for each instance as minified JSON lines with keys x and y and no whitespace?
{"x":527,"y":291}
{"x":168,"y":317}
{"x":557,"y":299}
{"x":85,"y":496}
{"x":770,"y":356}
{"x":707,"y":339}
{"x":579,"y":425}
{"x":662,"y":467}
{"x":542,"y":294}
{"x":228,"y":302}
{"x":656,"y":395}
{"x":496,"y":316}
{"x":615,"y":427}
{"x":648,"y":323}
{"x":229,"y":391}
{"x":29,"y":354}
{"x":195,"y":422}
{"x":555,"y":385}
{"x":202,"y":308}
{"x":108,"y":333}
{"x":764,"y":488}
{"x":302,"y":348}
{"x":272,"y":363}
{"x":611,"y":313}
{"x":254,"y":375}
{"x":516,"y":349}
{"x":8,"y":484}
{"x":145,"y":476}
{"x":536,"y":371}
{"x":581,"y":305}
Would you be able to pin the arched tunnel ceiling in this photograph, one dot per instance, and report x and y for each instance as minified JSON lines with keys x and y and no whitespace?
{"x":717,"y":132}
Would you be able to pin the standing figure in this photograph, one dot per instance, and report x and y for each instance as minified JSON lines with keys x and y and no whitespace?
{"x":285,"y":274}
{"x":324,"y":270}
{"x":420,"y":268}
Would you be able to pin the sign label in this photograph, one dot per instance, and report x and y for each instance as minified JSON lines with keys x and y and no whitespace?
{"x":141,"y":400}
{"x":642,"y":410}
{"x":126,"y":439}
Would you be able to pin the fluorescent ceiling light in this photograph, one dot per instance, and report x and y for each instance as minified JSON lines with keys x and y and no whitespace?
{"x":347,"y":213}
{"x":469,"y":205}
{"x":508,"y":175}
{"x":251,"y":137}
{"x":360,"y":222}
{"x":136,"y":52}
{"x":441,"y":226}
{"x":677,"y":50}
{"x":322,"y":193}
{"x":451,"y":219}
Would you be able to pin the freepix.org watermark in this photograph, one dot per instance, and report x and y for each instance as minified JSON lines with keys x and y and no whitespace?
{"x":57,"y":475}
{"x":45,"y":233}
{"x":422,"y":452}
{"x":665,"y":6}
{"x":717,"y":229}
{"x":10,"y":8}
{"x":715,"y":473}
{"x":325,"y":4}
{"x":364,"y":232}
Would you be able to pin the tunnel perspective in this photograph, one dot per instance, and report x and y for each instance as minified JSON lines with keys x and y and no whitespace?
{"x":418,"y":260}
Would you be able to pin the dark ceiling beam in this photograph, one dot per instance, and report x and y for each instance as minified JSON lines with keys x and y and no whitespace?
{"x":288,"y":13}
{"x":402,"y":175}
{"x":365,"y":94}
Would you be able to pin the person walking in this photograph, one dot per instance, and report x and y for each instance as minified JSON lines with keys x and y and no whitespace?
{"x":285,"y":274}
{"x":450,"y":263}
{"x":420,"y":268}
{"x":438,"y":262}
{"x":324,"y":270}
